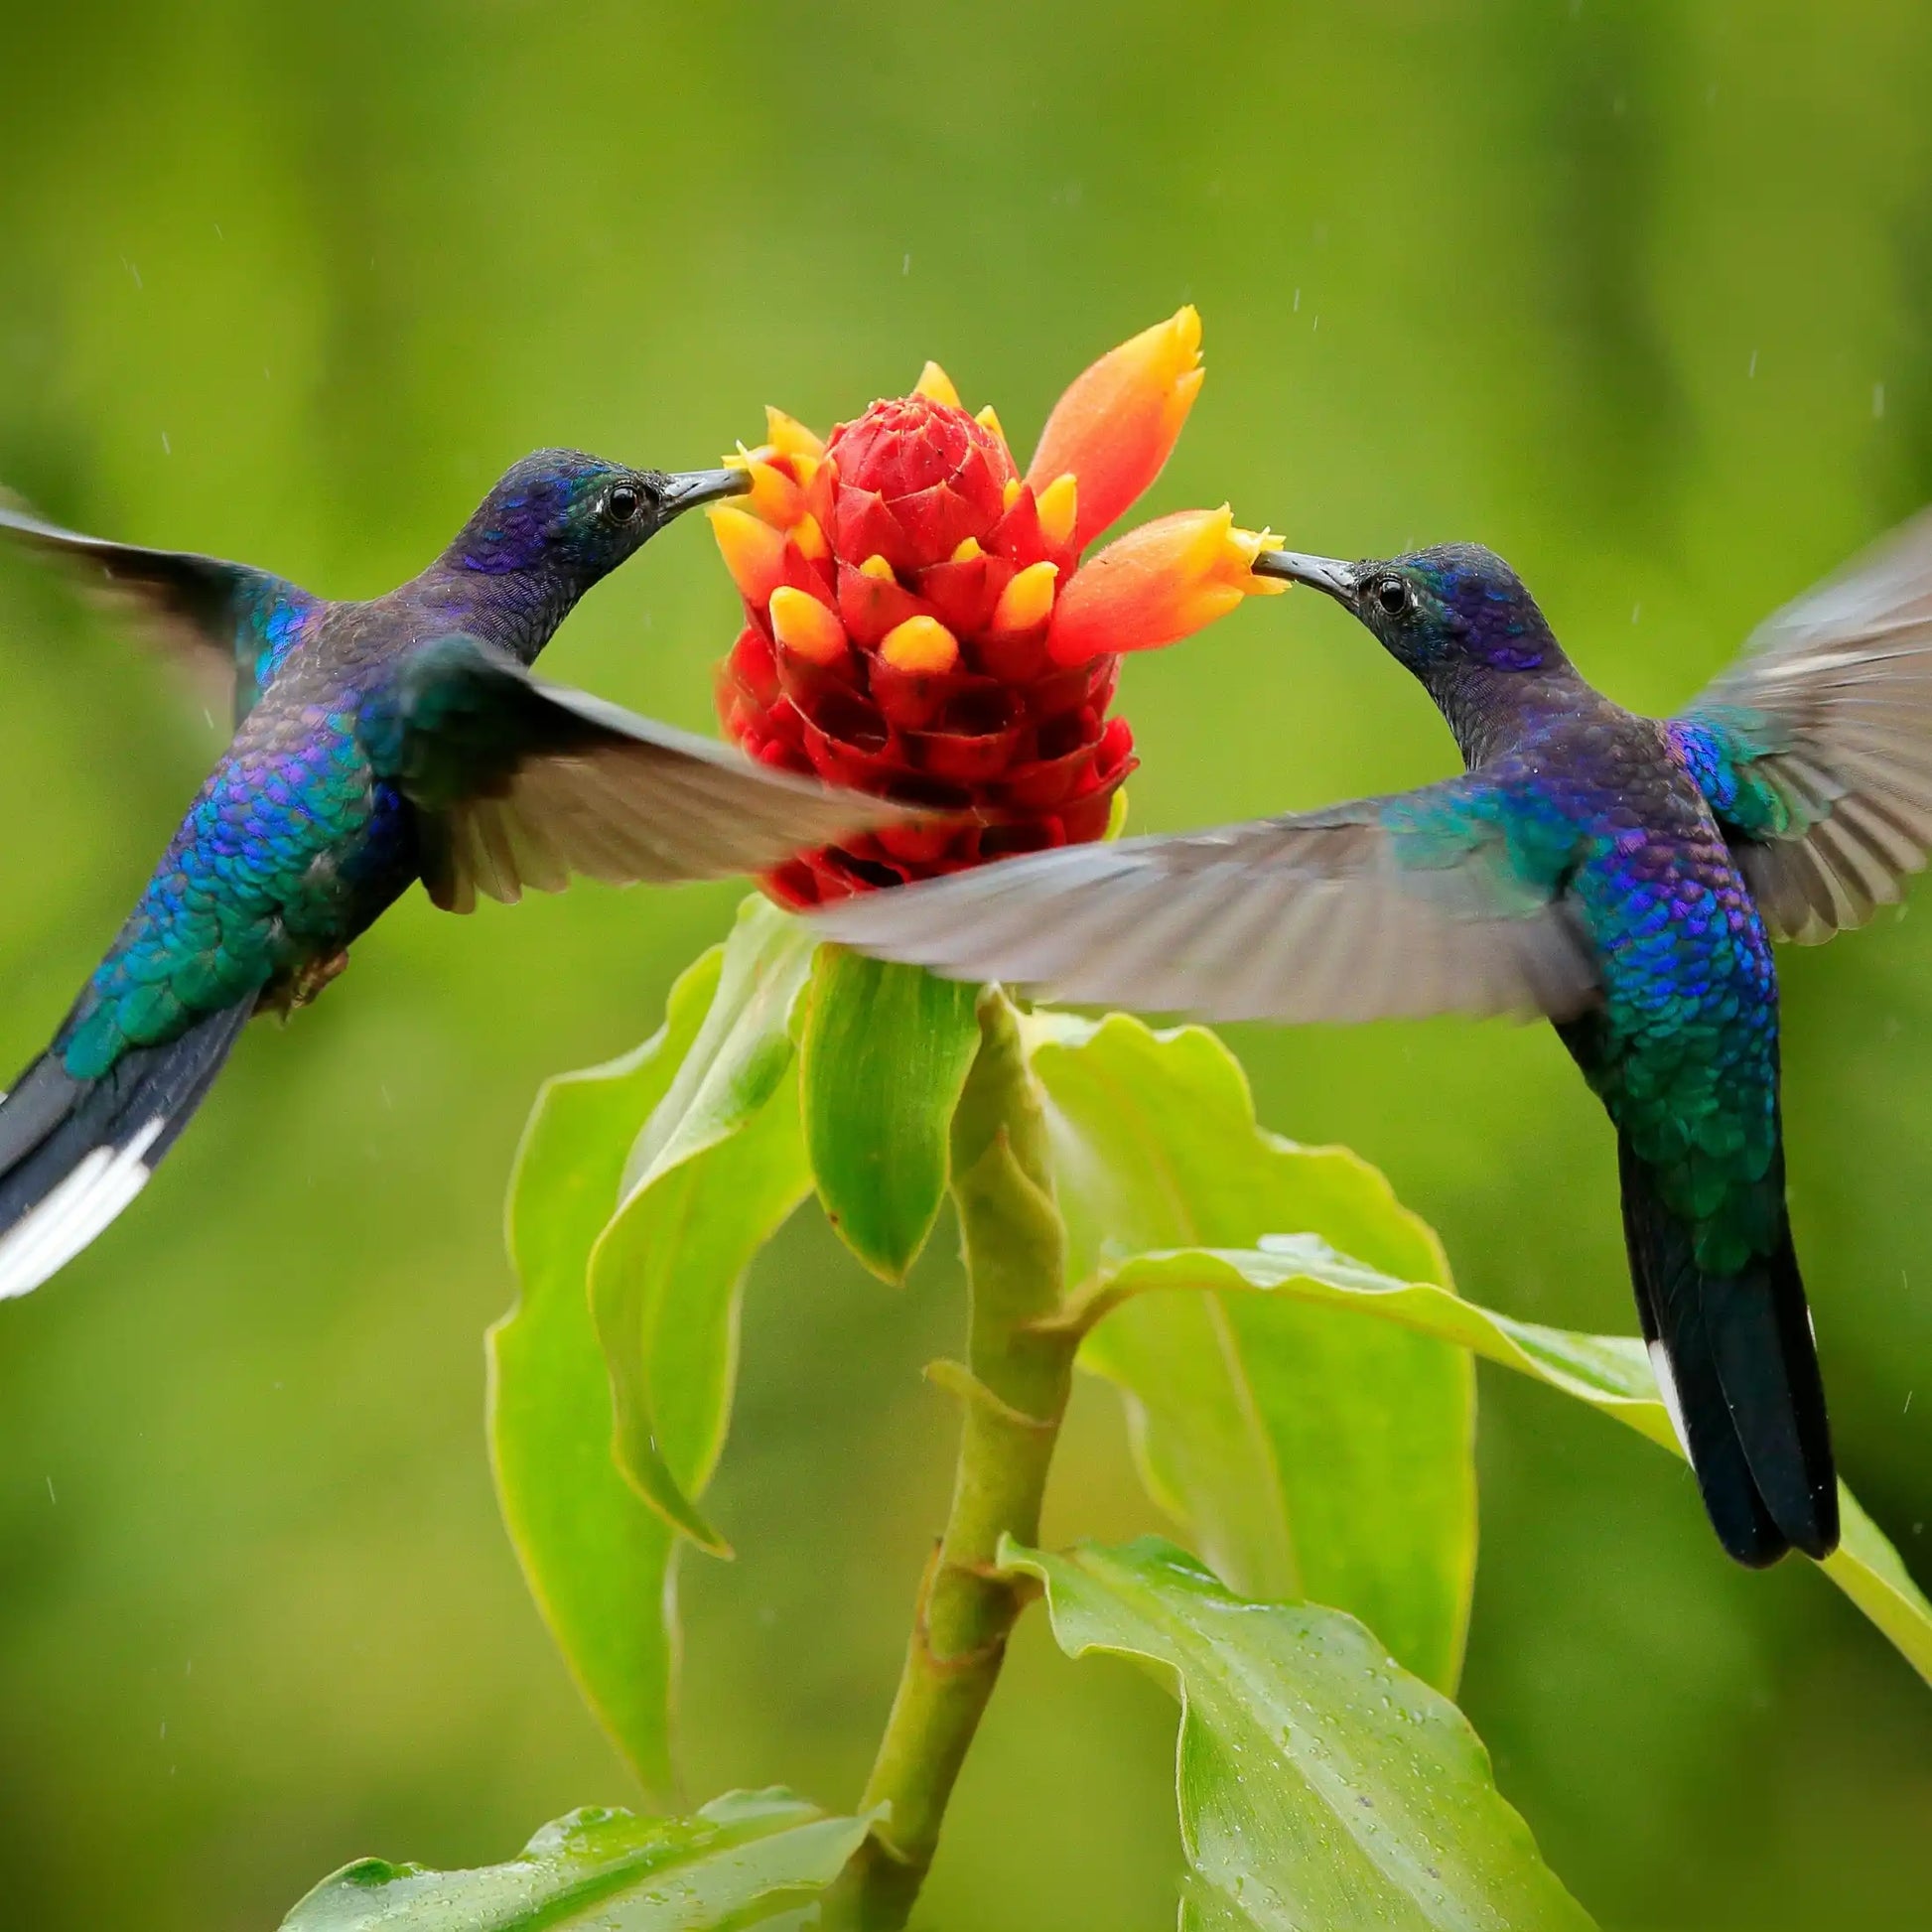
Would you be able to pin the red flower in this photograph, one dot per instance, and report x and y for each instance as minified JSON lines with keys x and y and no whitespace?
{"x":919,"y":623}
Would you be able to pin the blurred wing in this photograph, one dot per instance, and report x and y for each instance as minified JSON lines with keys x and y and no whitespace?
{"x":523,"y":783}
{"x":1816,"y":748}
{"x":194,"y":606}
{"x":1386,"y":907}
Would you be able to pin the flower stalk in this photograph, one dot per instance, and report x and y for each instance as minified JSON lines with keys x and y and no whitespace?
{"x":1013,"y":1389}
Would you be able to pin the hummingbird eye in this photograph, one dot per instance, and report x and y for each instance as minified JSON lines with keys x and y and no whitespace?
{"x":1393,"y":597}
{"x":622,"y":502}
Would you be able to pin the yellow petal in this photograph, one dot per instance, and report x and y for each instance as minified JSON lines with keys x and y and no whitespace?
{"x":773,"y":496}
{"x":1027,"y":599}
{"x":969,"y":548}
{"x":936,"y":386}
{"x":1011,"y":493}
{"x":789,"y":435}
{"x":1247,"y":545}
{"x":989,"y":419}
{"x":802,"y":624}
{"x":877,"y":566}
{"x":1059,"y":510}
{"x":810,"y":539}
{"x":919,"y":645}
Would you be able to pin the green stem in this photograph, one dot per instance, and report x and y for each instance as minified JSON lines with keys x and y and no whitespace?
{"x":1015,"y":1387}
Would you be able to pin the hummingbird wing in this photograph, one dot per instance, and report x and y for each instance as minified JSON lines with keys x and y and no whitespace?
{"x":199,"y":609}
{"x":1815,"y":749}
{"x":1388,"y":907}
{"x":522,"y":784}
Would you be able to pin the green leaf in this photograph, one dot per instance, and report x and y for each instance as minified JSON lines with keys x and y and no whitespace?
{"x":596,"y":1558}
{"x":1609,"y":1372}
{"x":1308,"y":1456}
{"x":885,"y":1054}
{"x":715,"y":1170}
{"x":1321,"y":1787}
{"x":753,"y":1858}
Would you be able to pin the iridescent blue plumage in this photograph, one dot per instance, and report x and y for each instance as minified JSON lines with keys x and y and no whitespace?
{"x":1616,"y":814}
{"x":268,"y":628}
{"x":375,"y":743}
{"x":291,"y":850}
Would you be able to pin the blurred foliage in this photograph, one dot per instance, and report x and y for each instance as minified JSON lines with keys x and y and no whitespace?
{"x":1637,"y":294}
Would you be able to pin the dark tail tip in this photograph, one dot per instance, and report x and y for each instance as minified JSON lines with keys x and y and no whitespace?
{"x":1759,"y":1332}
{"x":74,"y":1153}
{"x":1737,"y":1367}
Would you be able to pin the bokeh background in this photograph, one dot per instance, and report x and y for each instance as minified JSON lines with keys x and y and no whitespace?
{"x":1640,"y":295}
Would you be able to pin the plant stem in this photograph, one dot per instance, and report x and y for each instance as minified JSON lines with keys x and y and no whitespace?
{"x":1015,"y":1387}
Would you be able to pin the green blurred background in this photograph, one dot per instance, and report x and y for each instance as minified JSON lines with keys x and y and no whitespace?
{"x":1639,"y":295}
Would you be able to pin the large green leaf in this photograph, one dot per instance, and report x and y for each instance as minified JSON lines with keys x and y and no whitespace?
{"x":597,"y":1559}
{"x":1309,"y":1456}
{"x":1609,"y":1372}
{"x":719,"y":1166}
{"x":1321,"y":1787}
{"x":754,"y":1857}
{"x":885,"y":1055}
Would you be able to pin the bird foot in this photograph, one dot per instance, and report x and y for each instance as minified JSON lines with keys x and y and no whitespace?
{"x":305,"y":983}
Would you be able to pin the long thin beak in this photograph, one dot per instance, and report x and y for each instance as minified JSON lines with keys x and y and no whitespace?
{"x":1327,"y":574}
{"x":692,"y":487}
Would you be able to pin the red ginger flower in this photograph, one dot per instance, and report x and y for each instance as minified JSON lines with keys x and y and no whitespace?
{"x":920,"y":624}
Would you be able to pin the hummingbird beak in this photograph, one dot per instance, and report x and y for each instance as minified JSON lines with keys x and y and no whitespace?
{"x":691,"y":489}
{"x":1329,"y":575}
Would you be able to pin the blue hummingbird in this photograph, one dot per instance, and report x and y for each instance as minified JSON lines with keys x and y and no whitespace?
{"x":375,"y":743}
{"x":1622,"y":876}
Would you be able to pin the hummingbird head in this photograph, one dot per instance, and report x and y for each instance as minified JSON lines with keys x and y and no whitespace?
{"x":1440,"y":611}
{"x":569,"y":519}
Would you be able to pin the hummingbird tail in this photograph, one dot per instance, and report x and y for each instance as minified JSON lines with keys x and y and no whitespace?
{"x":1738,"y":1367}
{"x":74,"y":1153}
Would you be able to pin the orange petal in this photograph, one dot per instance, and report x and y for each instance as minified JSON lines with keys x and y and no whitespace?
{"x":1116,"y":424}
{"x":754,"y":552}
{"x":802,"y":624}
{"x":789,"y":435}
{"x":1156,"y":585}
{"x":919,"y":645}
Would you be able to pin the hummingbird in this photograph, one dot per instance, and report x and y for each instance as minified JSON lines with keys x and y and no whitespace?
{"x":1620,"y":875}
{"x":375,"y":743}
